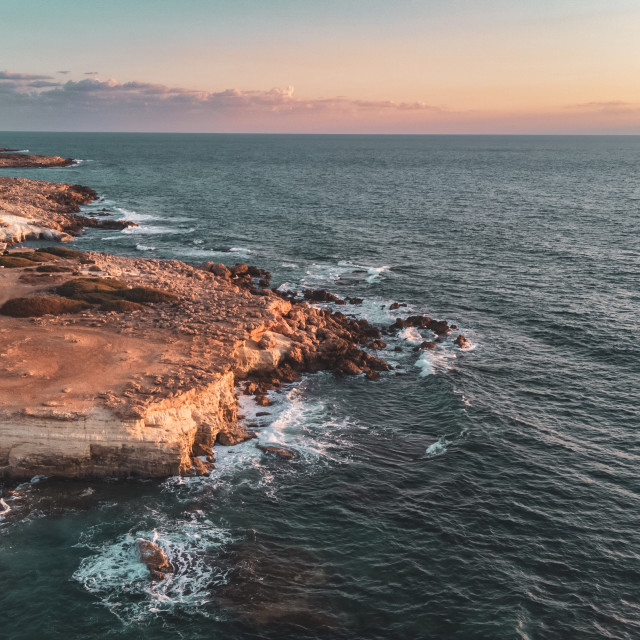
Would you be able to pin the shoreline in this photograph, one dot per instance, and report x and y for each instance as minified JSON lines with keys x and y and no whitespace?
{"x":116,"y":366}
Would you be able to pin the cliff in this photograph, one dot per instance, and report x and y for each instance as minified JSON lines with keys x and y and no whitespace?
{"x":118,"y":366}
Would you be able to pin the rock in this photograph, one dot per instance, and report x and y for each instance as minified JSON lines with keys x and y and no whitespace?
{"x":349,"y":368}
{"x":285,"y":454}
{"x":428,"y":345}
{"x":239,"y":269}
{"x":154,"y":558}
{"x":200,"y":467}
{"x":263,"y":401}
{"x":462,"y":342}
{"x":320,"y":295}
{"x":372,"y":375}
{"x":201,"y":449}
{"x":262,"y":413}
{"x":394,"y":306}
{"x":228,"y":439}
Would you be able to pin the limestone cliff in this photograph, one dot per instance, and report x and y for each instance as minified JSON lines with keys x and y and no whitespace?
{"x":133,"y":369}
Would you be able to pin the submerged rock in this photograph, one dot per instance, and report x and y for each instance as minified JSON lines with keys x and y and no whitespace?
{"x":285,"y":454}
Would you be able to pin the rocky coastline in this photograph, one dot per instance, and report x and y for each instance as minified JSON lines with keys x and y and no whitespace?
{"x":115,"y":366}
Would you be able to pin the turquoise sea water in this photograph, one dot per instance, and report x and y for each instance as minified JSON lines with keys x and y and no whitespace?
{"x":489,"y":493}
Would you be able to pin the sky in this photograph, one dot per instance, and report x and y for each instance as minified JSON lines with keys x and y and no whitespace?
{"x":336,"y":66}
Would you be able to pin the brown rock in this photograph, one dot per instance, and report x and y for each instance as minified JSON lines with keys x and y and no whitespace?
{"x":154,"y":558}
{"x":462,"y":342}
{"x":228,"y":439}
{"x":285,"y":454}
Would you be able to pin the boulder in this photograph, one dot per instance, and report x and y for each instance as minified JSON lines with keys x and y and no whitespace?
{"x":285,"y":454}
{"x":462,"y":342}
{"x":154,"y":558}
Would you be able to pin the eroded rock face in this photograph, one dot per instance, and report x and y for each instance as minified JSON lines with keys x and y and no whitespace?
{"x":145,"y":391}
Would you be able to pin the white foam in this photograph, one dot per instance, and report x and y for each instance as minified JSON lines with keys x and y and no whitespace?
{"x":4,"y":508}
{"x":117,"y":577}
{"x":411,"y":334}
{"x":438,"y":447}
{"x":240,"y":250}
{"x":433,"y":360}
{"x":290,"y":265}
{"x":144,"y":247}
{"x":373,"y":273}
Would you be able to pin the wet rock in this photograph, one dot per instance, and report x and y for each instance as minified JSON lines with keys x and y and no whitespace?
{"x":284,"y":454}
{"x":229,"y":438}
{"x":200,"y":467}
{"x":321,"y":295}
{"x":263,"y":401}
{"x":428,"y":345}
{"x":462,"y":342}
{"x":154,"y":558}
{"x":349,"y":368}
{"x":372,"y":375}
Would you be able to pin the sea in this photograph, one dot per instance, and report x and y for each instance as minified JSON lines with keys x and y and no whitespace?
{"x":490,"y":493}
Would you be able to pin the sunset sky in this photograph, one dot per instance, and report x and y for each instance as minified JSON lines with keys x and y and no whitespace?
{"x":402,"y":66}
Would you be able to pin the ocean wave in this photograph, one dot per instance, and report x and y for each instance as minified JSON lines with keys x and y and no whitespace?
{"x":411,"y":334}
{"x":434,"y":360}
{"x":144,"y":247}
{"x":134,"y":216}
{"x":373,"y":273}
{"x":438,"y":448}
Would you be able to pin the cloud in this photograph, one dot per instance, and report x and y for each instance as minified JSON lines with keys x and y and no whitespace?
{"x":10,"y":75}
{"x":35,"y":102}
{"x":63,"y":72}
{"x":39,"y":84}
{"x":90,"y":73}
{"x":608,"y":106}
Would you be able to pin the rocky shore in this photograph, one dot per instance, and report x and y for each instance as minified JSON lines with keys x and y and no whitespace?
{"x":114,"y":366}
{"x":38,"y":210}
{"x":9,"y":158}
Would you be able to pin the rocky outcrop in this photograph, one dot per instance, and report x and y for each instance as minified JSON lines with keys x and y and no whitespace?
{"x":154,"y":558}
{"x":147,"y":389}
{"x":37,"y":210}
{"x":24,"y":160}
